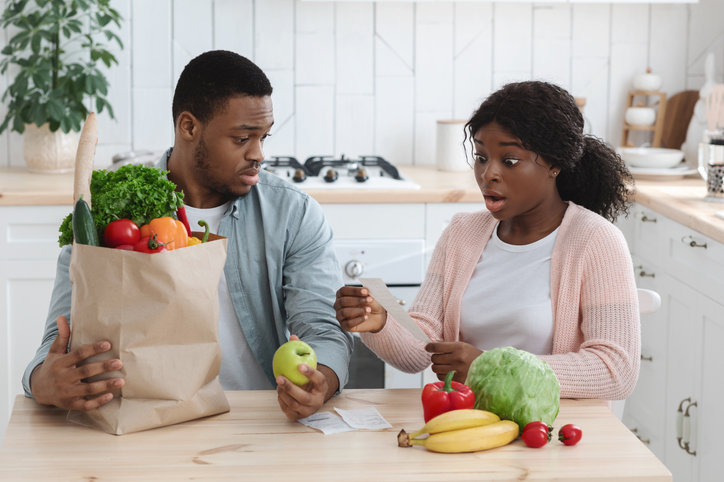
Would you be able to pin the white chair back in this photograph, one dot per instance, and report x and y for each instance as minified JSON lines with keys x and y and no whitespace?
{"x":649,"y":302}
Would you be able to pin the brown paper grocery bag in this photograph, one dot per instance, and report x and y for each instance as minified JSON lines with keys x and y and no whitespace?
{"x":160,"y":312}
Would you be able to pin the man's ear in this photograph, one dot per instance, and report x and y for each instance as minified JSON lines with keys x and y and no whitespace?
{"x":188,"y":126}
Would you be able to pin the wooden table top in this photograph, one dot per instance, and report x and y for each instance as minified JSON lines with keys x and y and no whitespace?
{"x":255,"y":441}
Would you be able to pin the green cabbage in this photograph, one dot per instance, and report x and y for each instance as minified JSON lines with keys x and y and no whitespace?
{"x":515,"y":385}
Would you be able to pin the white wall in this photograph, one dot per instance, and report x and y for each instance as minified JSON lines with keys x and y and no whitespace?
{"x":372,"y":78}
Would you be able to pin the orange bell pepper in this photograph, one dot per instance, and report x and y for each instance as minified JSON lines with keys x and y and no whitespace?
{"x":166,"y":231}
{"x":182,"y":238}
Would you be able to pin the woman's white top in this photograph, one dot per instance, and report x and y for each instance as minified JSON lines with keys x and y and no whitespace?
{"x":508,"y":299}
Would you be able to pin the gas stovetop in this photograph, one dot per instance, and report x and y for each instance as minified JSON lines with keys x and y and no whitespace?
{"x":328,"y":172}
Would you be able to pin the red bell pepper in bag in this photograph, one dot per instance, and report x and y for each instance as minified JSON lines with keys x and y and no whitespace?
{"x":441,"y":397}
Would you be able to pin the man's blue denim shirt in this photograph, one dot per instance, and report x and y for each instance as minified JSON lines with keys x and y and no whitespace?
{"x":281,"y":270}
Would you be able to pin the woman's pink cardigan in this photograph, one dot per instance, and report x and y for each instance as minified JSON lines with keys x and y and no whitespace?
{"x":596,"y":334}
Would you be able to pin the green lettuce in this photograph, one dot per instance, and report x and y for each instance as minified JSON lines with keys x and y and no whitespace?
{"x":134,"y":191}
{"x":515,"y":385}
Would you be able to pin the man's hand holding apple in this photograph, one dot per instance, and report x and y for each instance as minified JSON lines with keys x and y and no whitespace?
{"x":302,"y":386}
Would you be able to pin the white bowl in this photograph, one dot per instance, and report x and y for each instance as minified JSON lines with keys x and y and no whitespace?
{"x":655,"y":157}
{"x":640,"y":116}
{"x":647,"y":81}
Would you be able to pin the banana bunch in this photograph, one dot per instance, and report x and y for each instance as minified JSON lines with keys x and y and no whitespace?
{"x":465,"y":430}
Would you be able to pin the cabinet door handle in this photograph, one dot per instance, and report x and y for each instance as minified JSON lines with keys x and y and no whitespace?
{"x":690,"y":441}
{"x":647,"y":358}
{"x":646,"y":441}
{"x":683,"y":427}
{"x":646,"y":219}
{"x":680,"y":422}
{"x":692,"y":242}
{"x":644,"y":274}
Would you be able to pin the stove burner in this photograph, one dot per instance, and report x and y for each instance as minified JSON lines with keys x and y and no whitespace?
{"x":315,"y":164}
{"x":300,"y":172}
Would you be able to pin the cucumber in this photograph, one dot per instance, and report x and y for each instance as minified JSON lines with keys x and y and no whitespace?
{"x":84,"y":228}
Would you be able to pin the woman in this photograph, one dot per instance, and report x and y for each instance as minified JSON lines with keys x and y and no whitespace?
{"x":542,"y":269}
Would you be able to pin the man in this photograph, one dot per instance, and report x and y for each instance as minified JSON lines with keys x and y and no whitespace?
{"x":280,"y":274}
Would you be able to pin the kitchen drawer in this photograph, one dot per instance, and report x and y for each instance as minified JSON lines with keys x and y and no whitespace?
{"x":30,"y":232}
{"x":651,"y":231}
{"x":697,"y":260}
{"x":377,"y":221}
{"x":652,"y":437}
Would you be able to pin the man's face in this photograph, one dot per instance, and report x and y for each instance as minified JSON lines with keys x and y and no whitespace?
{"x":229,"y":150}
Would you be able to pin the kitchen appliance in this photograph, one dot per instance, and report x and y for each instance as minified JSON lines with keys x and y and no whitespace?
{"x":329,"y":172}
{"x":711,"y":167}
{"x":400,"y":263}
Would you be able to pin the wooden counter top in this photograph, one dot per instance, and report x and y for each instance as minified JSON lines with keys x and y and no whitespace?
{"x":681,"y":200}
{"x":255,"y":441}
{"x":20,"y":187}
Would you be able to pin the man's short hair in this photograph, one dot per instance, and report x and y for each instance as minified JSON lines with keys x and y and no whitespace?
{"x":211,"y":79}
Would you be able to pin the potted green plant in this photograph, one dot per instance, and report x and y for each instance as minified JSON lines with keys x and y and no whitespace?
{"x":53,"y":57}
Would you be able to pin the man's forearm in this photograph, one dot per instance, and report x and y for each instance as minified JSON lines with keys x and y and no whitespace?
{"x":332,"y":381}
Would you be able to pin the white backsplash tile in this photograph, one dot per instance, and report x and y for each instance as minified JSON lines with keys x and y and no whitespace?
{"x":234,"y":26}
{"x":472,"y":64}
{"x":151,"y":46}
{"x":314,"y":120}
{"x":394,"y":118}
{"x":552,"y":44}
{"x":395,"y":33}
{"x":590,"y":31}
{"x":434,"y":59}
{"x":152,"y":125}
{"x":274,"y":34}
{"x":118,"y":130}
{"x":355,"y":125}
{"x":376,"y":75}
{"x":512,"y":39}
{"x":354,"y":52}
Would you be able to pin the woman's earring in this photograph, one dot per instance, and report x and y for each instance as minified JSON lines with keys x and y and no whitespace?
{"x":555,"y":173}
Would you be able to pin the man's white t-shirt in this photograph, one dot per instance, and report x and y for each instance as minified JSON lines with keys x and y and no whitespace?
{"x":508,"y":299}
{"x":239,"y":368}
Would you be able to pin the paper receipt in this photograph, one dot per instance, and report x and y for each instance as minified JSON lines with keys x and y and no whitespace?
{"x":380,"y":292}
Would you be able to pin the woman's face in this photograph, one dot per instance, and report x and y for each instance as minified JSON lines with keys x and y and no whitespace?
{"x":514,"y":181}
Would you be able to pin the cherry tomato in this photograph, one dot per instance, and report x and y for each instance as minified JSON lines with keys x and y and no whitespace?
{"x":121,"y":231}
{"x":535,"y":437}
{"x":542,"y":425}
{"x":570,"y":434}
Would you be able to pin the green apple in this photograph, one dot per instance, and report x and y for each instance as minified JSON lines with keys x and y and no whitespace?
{"x":289,"y":356}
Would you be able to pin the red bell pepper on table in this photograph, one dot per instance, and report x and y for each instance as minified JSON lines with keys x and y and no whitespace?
{"x":441,"y":397}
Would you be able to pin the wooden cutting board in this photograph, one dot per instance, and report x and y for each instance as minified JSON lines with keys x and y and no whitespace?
{"x":679,"y":109}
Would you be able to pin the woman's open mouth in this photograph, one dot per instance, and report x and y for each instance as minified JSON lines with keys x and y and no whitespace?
{"x":494,"y":202}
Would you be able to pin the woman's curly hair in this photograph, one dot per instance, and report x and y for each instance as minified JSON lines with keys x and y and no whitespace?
{"x":548,"y":122}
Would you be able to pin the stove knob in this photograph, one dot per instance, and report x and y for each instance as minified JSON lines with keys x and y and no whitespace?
{"x":331,"y":176}
{"x":361,"y":175}
{"x":354,"y":269}
{"x":299,"y":176}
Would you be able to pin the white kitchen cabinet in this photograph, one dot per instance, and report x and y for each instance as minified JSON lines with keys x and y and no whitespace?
{"x":28,"y":255}
{"x":682,"y":360}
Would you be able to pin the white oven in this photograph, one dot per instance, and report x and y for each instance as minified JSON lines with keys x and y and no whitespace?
{"x":400,"y":263}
